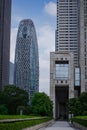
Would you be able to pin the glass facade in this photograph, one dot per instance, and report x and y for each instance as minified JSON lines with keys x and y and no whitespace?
{"x":62,"y":71}
{"x":26,"y":69}
{"x":77,"y":77}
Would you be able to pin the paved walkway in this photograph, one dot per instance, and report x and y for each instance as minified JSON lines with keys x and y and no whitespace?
{"x":59,"y":125}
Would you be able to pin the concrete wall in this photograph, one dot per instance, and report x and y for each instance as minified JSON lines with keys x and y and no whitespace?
{"x":61,"y":56}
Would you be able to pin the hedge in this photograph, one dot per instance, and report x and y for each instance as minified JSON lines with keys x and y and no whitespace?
{"x":80,"y":120}
{"x":22,"y":124}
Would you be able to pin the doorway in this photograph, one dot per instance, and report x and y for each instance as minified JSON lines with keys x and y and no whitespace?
{"x":61,"y":98}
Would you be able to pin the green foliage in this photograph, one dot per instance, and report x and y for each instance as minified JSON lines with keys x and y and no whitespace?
{"x":24,"y":109}
{"x":13,"y":97}
{"x":17,"y":117}
{"x":78,"y":106}
{"x":74,"y":106}
{"x":80,"y":120}
{"x":3,"y":110}
{"x":22,"y":124}
{"x":83,"y":100}
{"x":42,"y":105}
{"x":84,"y":113}
{"x":21,"y":109}
{"x":81,"y":117}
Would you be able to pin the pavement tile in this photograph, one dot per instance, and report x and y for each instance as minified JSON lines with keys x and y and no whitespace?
{"x":59,"y":125}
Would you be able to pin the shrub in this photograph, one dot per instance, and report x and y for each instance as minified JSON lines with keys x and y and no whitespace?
{"x":3,"y":110}
{"x":81,"y":121}
{"x":78,"y":106}
{"x":84,"y":113}
{"x":22,"y":124}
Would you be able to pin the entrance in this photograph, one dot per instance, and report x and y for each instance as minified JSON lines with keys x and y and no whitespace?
{"x":61,"y":97}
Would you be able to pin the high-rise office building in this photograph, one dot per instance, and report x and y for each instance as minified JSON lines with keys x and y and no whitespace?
{"x":26,"y":68}
{"x":68,"y":64}
{"x":83,"y":44}
{"x":67,"y":36}
{"x":5,"y":20}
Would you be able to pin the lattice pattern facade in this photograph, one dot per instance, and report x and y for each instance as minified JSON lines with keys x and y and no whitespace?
{"x":26,"y":71}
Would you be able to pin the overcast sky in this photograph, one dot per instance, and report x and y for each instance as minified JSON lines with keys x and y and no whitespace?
{"x":43,"y":14}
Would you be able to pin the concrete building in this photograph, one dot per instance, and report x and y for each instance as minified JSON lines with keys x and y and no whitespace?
{"x":5,"y":20}
{"x":26,"y":67}
{"x":67,"y":36}
{"x":83,"y":44}
{"x":61,"y":81}
{"x":68,"y":64}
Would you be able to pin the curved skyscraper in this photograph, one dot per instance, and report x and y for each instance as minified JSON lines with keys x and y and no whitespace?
{"x":26,"y":70}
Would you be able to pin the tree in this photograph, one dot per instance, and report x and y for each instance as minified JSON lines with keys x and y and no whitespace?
{"x":42,"y":105}
{"x":74,"y":106}
{"x":14,"y":97}
{"x":83,"y":100}
{"x":78,"y":106}
{"x":3,"y":110}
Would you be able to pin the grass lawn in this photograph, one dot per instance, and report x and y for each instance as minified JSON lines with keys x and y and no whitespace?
{"x":81,"y":117}
{"x":21,"y":124}
{"x":2,"y":117}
